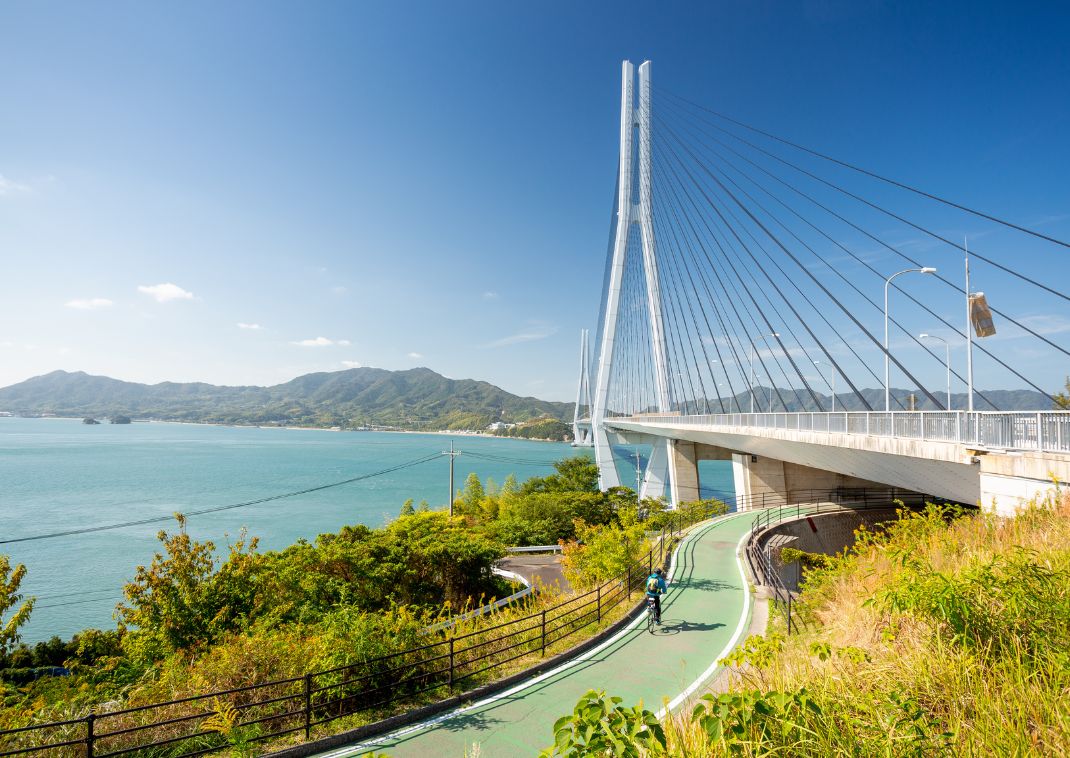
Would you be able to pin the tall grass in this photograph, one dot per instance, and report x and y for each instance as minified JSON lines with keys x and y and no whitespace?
{"x":946,"y":634}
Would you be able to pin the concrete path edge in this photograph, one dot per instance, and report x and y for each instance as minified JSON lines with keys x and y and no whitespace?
{"x":392,"y":723}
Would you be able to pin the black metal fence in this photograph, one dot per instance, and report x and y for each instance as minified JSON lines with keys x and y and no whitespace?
{"x":275,"y":709}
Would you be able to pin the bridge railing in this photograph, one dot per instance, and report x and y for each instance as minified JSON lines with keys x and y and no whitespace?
{"x":1042,"y":431}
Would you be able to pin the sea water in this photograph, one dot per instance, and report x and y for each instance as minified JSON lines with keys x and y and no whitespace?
{"x":59,"y":475}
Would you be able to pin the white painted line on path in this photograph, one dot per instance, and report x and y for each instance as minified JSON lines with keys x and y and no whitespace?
{"x":743,"y":618}
{"x":391,"y":736}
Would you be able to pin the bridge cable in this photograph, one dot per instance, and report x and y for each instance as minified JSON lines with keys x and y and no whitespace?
{"x":732,"y":301}
{"x":974,"y":253}
{"x":788,"y":328}
{"x":896,"y":252}
{"x":874,"y":175}
{"x":832,"y":297}
{"x":798,"y":316}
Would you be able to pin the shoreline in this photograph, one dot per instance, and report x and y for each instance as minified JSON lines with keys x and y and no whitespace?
{"x":441,"y":432}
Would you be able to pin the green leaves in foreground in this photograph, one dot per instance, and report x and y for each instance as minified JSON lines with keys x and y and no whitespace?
{"x":737,"y":719}
{"x":600,"y":725}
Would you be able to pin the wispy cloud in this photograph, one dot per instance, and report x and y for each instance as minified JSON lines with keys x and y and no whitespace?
{"x":488,"y":295}
{"x":536,"y":330}
{"x":89,"y":303}
{"x":243,"y":325}
{"x":320,"y":342}
{"x":11,"y":187}
{"x":352,"y":364}
{"x":339,"y":290}
{"x":416,"y":356}
{"x":165,"y":293}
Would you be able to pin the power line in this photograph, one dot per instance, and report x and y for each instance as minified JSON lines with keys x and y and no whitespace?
{"x":219,"y":508}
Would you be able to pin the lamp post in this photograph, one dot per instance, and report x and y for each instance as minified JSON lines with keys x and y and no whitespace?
{"x":753,"y":355}
{"x":947,"y":361}
{"x":831,"y":384}
{"x":887,"y":362}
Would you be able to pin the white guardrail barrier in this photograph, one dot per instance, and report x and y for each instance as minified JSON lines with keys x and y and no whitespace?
{"x":1043,"y":431}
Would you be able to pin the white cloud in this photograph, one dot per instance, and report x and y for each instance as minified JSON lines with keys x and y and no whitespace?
{"x":320,"y":342}
{"x":11,"y":187}
{"x":89,"y":303}
{"x":416,"y":356}
{"x":352,"y":364}
{"x":537,"y":330}
{"x":242,"y":325}
{"x":488,"y":295}
{"x":166,"y":292}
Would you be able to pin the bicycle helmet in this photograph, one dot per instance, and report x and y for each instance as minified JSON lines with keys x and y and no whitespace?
{"x":657,"y":571}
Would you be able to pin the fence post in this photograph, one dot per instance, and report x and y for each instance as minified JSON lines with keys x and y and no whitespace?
{"x":308,"y":706}
{"x":89,"y":735}
{"x":600,"y":604}
{"x":544,"y":633}
{"x":451,"y":664}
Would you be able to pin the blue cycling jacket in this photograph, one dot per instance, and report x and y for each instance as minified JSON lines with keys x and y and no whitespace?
{"x":662,"y":587}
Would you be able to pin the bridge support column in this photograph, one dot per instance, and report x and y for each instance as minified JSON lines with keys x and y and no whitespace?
{"x":683,"y":473}
{"x":759,"y":481}
{"x":657,"y":478}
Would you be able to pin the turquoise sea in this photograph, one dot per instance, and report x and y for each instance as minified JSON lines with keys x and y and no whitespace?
{"x":59,"y":475}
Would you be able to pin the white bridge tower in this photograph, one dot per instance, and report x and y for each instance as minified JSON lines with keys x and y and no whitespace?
{"x":632,"y":120}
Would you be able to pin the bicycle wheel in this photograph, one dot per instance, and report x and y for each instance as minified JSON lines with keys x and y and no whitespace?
{"x":650,"y":617}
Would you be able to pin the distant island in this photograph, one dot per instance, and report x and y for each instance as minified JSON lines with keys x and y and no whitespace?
{"x":361,"y":398}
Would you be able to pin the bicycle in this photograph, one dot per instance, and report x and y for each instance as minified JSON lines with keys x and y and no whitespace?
{"x":651,"y":614}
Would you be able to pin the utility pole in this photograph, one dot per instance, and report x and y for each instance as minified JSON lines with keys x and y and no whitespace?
{"x":452,"y":454}
{"x":969,"y":332}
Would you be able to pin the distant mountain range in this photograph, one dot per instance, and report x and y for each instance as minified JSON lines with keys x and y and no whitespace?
{"x":413,"y":399}
{"x":417,"y":399}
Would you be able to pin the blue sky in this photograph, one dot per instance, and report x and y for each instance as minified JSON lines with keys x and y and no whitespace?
{"x":403,"y":184}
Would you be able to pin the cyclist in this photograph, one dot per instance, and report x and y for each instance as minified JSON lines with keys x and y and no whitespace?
{"x":655,"y":588}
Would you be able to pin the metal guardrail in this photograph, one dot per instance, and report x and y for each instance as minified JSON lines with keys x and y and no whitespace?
{"x":299,"y":704}
{"x":761,"y":566}
{"x":1042,"y":431}
{"x":535,"y":549}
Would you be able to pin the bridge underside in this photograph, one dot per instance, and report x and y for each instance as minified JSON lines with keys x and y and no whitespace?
{"x":781,"y":462}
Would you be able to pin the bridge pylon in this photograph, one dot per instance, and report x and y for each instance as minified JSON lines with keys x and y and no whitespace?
{"x":634,"y":178}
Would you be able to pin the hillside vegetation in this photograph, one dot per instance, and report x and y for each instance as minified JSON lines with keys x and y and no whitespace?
{"x":413,"y":399}
{"x":946,"y":635}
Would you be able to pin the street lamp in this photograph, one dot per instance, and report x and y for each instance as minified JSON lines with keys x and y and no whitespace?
{"x":832,"y":384}
{"x":947,"y":362}
{"x":887,"y":363}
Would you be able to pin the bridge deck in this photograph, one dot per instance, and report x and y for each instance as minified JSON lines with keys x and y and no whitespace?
{"x":704,"y":615}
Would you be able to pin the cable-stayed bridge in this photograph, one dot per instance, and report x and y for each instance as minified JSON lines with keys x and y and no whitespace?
{"x":757,"y":290}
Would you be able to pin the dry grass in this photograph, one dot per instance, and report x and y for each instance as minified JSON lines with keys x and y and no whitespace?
{"x":936,"y":639}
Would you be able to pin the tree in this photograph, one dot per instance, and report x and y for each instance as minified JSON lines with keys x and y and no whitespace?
{"x":10,"y":598}
{"x":407,"y":508}
{"x":1062,"y":399}
{"x":180,"y":601}
{"x":471,"y":497}
{"x":579,"y":474}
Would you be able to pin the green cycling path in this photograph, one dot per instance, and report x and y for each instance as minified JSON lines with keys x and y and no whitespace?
{"x":705,"y":611}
